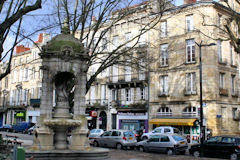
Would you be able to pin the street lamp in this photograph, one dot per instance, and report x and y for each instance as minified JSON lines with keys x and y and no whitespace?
{"x":202,"y":127}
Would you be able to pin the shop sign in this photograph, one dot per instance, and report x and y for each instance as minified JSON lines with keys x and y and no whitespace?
{"x":20,"y":114}
{"x":93,"y":113}
{"x":131,"y":114}
{"x":219,"y":116}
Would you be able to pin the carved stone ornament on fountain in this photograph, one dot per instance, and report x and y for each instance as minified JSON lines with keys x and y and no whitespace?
{"x":64,"y":65}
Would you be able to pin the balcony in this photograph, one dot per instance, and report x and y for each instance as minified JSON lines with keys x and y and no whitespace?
{"x":133,"y":81}
{"x":235,"y":93}
{"x":223,"y":92}
{"x":97,"y":103}
{"x":189,"y":92}
{"x":222,"y":61}
{"x":138,"y":105}
{"x":163,"y":94}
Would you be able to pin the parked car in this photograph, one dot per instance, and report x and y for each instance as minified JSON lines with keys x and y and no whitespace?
{"x":219,"y":146}
{"x":166,"y":143}
{"x":158,"y":130}
{"x":22,"y":127}
{"x":94,"y":133}
{"x":30,"y":130}
{"x":120,"y":139}
{"x":6,"y":128}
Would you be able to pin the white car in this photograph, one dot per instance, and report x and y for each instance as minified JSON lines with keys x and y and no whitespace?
{"x":94,"y":133}
{"x":163,"y":129}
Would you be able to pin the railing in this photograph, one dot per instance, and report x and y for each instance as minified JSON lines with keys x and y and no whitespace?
{"x":223,"y":92}
{"x":97,"y":102}
{"x":190,"y":114}
{"x":127,"y":78}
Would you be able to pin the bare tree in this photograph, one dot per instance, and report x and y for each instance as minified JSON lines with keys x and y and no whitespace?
{"x":94,"y":23}
{"x":12,"y":13}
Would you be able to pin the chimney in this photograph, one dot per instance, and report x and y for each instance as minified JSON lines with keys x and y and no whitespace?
{"x":21,"y":48}
{"x":40,"y":38}
{"x":189,"y":1}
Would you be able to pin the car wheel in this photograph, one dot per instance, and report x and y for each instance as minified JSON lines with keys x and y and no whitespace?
{"x":233,"y":156}
{"x":119,"y":146}
{"x":196,"y":154}
{"x":170,"y":152}
{"x":144,"y":138}
{"x":95,"y":144}
{"x":141,"y":148}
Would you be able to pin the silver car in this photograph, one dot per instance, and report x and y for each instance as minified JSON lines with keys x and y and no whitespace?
{"x":120,"y":139}
{"x":168,"y":143}
{"x":94,"y":133}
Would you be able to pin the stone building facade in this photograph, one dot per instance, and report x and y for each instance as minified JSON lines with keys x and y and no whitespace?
{"x":21,"y":89}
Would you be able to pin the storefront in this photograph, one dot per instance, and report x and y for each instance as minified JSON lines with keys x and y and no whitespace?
{"x":132,"y":121}
{"x":189,"y":128}
{"x":20,"y":116}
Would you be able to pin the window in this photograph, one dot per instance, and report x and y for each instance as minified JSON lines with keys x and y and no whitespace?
{"x":128,"y":38}
{"x":20,"y":76}
{"x":219,"y":20}
{"x":154,"y":139}
{"x":221,"y":80}
{"x":115,"y":42}
{"x":6,"y":82}
{"x":164,"y":139}
{"x":115,"y":73}
{"x":128,"y":94}
{"x":128,"y":71}
{"x":20,"y":61}
{"x":164,"y":111}
{"x":142,"y":38}
{"x":164,"y":85}
{"x":142,"y":66}
{"x":142,"y":91}
{"x":167,"y":130}
{"x":32,"y":93}
{"x":39,"y":92}
{"x":33,"y":73}
{"x":164,"y":54}
{"x":190,"y":51}
{"x":233,"y":84}
{"x":103,"y":94}
{"x":190,"y":111}
{"x":25,"y":74}
{"x":189,"y":23}
{"x":191,"y":83}
{"x":231,"y":54}
{"x":92,"y":94}
{"x":107,"y":133}
{"x":116,"y":133}
{"x":220,"y":58}
{"x":27,"y":59}
{"x":104,"y":43}
{"x":164,"y":29}
{"x":114,"y":95}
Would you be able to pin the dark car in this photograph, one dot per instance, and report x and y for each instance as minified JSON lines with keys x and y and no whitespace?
{"x":22,"y":127}
{"x":7,"y":128}
{"x":219,"y":146}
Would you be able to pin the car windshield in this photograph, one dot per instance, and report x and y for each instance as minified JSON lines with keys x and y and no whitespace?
{"x":128,"y":134}
{"x":177,"y":138}
{"x":93,"y":131}
{"x":98,"y":131}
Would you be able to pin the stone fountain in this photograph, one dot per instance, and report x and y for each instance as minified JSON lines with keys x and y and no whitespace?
{"x":63,"y":63}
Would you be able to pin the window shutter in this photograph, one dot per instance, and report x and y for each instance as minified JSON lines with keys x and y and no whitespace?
{"x":188,"y":82}
{"x":138,"y":94}
{"x":166,"y":84}
{"x":161,"y":85}
{"x":146,"y":93}
{"x":123,"y":96}
{"x":194,"y":83}
{"x":132,"y":95}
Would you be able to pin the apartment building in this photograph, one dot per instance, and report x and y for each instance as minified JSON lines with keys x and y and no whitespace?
{"x":173,"y":80}
{"x":21,"y":89}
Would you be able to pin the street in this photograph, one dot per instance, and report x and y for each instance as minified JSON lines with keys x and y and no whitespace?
{"x":115,"y":154}
{"x":136,"y":155}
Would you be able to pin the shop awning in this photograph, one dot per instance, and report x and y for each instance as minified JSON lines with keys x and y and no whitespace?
{"x":173,"y":122}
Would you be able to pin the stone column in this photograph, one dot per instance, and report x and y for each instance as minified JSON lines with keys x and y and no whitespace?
{"x":79,"y":134}
{"x":44,"y":135}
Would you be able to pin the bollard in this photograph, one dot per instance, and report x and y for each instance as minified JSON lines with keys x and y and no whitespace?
{"x":20,"y":153}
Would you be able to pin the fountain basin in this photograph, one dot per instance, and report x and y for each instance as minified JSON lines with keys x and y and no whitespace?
{"x":62,"y":122}
{"x":87,"y":154}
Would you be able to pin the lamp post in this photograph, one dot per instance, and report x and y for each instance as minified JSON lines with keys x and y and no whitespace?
{"x":202,"y":126}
